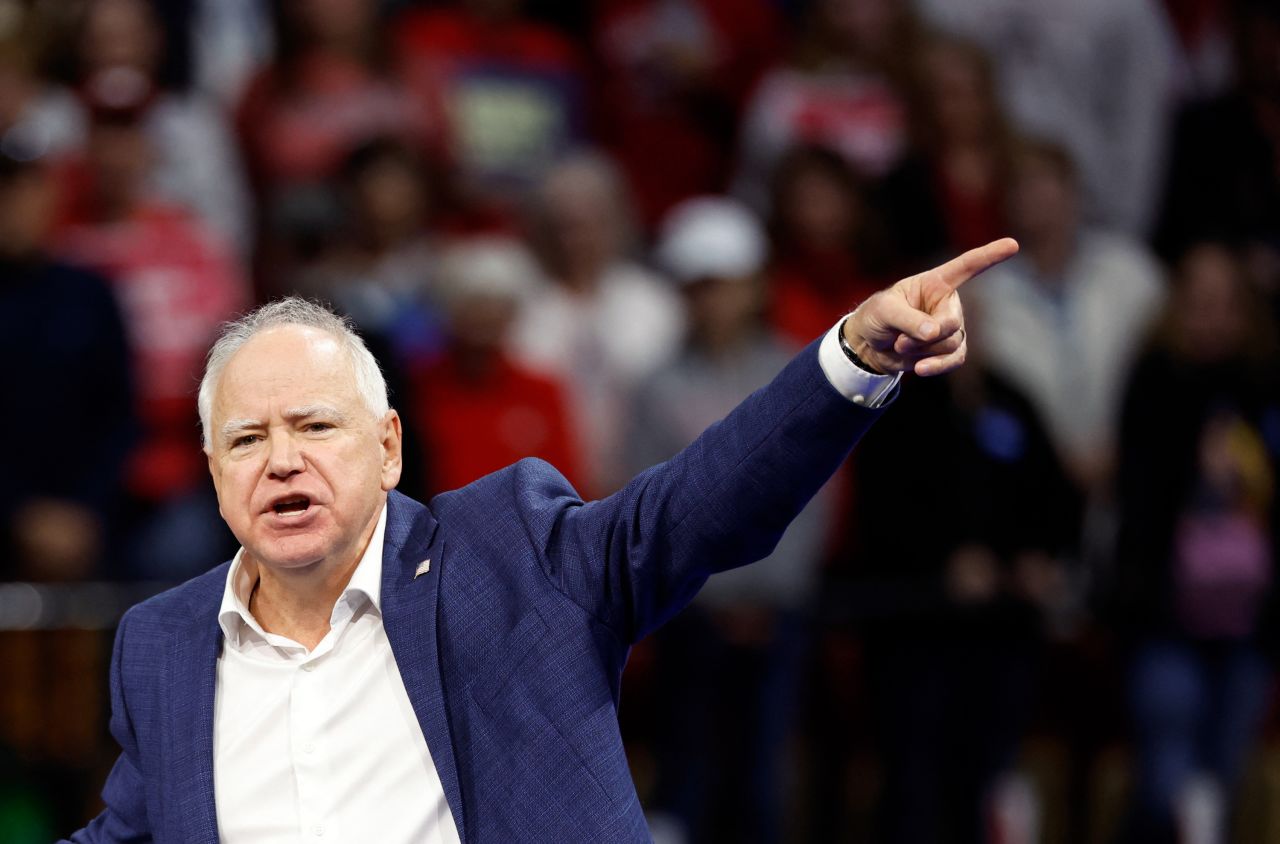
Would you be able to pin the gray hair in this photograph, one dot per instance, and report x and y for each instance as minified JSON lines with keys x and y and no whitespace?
{"x":291,"y":310}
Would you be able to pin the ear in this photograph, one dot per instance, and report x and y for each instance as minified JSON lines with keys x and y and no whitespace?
{"x":216,"y":474}
{"x":392,"y":441}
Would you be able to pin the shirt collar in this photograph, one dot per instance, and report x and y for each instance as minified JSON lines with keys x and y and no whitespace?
{"x":365,"y":584}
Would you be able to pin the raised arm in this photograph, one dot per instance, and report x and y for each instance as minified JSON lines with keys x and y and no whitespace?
{"x":634,"y":559}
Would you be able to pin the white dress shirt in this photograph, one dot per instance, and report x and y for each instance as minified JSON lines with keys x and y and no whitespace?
{"x":320,"y":745}
{"x":850,"y":380}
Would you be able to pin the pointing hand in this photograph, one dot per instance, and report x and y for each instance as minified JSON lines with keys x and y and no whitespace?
{"x":917,"y":324}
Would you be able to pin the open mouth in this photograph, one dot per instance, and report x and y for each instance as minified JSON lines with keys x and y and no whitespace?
{"x":293,"y":506}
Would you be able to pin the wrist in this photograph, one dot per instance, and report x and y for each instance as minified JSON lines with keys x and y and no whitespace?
{"x":851,"y":353}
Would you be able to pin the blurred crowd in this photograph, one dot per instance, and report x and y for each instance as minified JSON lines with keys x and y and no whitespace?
{"x":585,"y":230}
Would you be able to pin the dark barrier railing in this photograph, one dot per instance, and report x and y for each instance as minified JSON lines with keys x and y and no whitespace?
{"x":92,"y":605}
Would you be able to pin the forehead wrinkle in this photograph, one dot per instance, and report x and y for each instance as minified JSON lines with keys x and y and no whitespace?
{"x":285,"y":365}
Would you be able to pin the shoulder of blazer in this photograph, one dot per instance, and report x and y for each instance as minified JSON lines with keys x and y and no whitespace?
{"x":178,"y":607}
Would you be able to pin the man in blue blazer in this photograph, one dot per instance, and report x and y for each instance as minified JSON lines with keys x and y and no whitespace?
{"x":371,"y":669}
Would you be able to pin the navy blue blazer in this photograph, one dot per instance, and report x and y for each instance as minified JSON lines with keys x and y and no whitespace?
{"x":512,"y":646}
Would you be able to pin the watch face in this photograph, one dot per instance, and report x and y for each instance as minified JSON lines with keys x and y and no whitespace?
{"x":853,"y":356}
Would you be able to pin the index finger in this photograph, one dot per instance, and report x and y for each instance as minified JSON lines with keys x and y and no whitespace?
{"x":959,"y":270}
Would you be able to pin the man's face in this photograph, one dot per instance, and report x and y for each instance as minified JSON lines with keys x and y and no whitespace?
{"x":301,"y":466}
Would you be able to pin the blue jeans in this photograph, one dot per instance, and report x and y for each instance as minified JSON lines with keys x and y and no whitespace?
{"x":727,"y":712}
{"x":1197,"y":709}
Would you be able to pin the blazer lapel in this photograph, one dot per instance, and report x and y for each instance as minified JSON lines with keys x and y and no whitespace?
{"x":192,"y":673}
{"x":413,"y":560}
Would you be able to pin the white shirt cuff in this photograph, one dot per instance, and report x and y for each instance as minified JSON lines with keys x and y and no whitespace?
{"x":850,"y":380}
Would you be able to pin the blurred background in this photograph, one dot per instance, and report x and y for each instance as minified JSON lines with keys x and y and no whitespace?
{"x":585,"y":229}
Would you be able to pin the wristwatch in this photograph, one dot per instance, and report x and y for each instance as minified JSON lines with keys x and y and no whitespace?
{"x":852,"y":355}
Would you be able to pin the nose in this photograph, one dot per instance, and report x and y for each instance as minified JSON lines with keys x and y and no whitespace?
{"x":284,"y":458}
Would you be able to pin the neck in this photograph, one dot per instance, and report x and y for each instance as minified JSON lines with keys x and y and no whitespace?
{"x":1050,"y":253}
{"x":582,"y":281}
{"x":115,"y":208}
{"x":380,"y":239}
{"x":724,"y":343}
{"x":298,"y":603}
{"x":347,"y":45}
{"x":964,"y":145}
{"x":475,"y":362}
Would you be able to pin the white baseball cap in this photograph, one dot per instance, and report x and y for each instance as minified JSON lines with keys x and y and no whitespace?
{"x":495,"y":266}
{"x":711,"y":237}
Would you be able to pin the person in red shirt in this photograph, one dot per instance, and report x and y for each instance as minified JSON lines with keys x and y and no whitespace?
{"x":196,"y":162}
{"x":477,"y":409}
{"x":674,"y":77}
{"x":949,"y":193}
{"x":845,"y":87}
{"x":176,"y":281}
{"x":333,"y":85}
{"x":828,"y":251}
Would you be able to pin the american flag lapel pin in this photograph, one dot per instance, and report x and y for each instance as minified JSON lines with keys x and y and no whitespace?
{"x":423,"y":568}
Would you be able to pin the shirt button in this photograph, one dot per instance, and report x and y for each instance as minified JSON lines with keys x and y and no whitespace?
{"x":310,"y":666}
{"x":308,"y":747}
{"x":318,"y":830}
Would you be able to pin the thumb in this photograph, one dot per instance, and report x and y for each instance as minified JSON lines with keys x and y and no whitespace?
{"x":887,"y":315}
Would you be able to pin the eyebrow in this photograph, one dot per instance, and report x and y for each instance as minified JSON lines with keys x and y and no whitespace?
{"x":233,"y":427}
{"x":315,"y":411}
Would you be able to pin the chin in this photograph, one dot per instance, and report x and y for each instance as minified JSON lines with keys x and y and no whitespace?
{"x":294,"y":552}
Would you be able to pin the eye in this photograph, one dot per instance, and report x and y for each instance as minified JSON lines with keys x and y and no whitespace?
{"x":318,"y":427}
{"x":247,"y":439}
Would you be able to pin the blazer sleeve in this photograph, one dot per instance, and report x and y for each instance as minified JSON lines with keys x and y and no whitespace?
{"x":125,"y":817}
{"x":634,"y":559}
